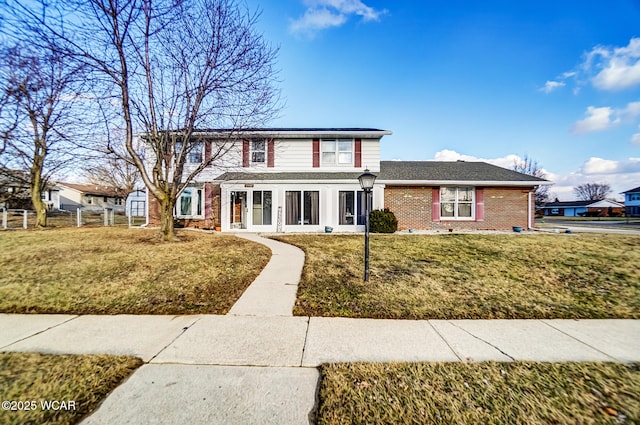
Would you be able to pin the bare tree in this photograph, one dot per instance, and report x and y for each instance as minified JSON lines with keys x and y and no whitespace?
{"x":114,"y":169}
{"x":531,"y":167}
{"x":170,"y":67}
{"x":37,"y":118}
{"x":592,"y":191}
{"x":114,"y":172}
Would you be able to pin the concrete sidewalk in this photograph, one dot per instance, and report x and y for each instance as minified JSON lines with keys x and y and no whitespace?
{"x":229,"y":369}
{"x":258,"y":364}
{"x":311,"y":341}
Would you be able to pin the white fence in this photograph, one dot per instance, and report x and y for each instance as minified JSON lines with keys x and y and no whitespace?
{"x":24,"y":219}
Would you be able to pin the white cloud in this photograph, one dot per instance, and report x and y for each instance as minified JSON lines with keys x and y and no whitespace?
{"x":317,"y":19}
{"x":630,"y":112}
{"x":597,"y":119}
{"x":596,"y":166}
{"x":505,"y":162}
{"x":322,"y":14}
{"x":550,"y":86}
{"x":621,"y":175}
{"x":605,"y":117}
{"x":635,"y":138}
{"x":617,"y":68}
{"x":605,"y":67}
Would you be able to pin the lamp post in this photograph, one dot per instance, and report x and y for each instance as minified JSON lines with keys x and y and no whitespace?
{"x":366,"y":180}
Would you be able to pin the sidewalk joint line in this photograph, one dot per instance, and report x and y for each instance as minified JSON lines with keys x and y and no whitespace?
{"x":42,"y":331}
{"x":480,"y":339}
{"x":184,"y":330}
{"x":304,"y":345}
{"x":580,"y":341}
{"x":445,"y":341}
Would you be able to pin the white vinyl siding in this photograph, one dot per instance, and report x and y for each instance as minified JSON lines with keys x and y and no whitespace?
{"x":297,"y":155}
{"x":371,"y":155}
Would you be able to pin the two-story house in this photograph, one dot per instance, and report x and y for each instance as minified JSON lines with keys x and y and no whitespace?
{"x":632,"y":202}
{"x":306,"y":179}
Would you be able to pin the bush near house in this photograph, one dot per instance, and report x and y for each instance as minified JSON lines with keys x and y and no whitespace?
{"x":383,"y":221}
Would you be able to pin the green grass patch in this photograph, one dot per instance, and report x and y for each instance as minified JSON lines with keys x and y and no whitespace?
{"x":479,"y":393}
{"x":124,"y":271}
{"x":81,"y":381}
{"x":470,"y":276}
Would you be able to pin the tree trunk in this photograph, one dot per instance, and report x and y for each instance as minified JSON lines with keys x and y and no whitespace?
{"x":35,"y":189}
{"x":40,"y":207}
{"x":166,"y":218}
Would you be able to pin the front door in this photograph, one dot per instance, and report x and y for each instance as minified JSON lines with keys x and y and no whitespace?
{"x":238,"y":213}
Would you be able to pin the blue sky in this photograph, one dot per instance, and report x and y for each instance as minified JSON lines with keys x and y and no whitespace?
{"x":492,"y":80}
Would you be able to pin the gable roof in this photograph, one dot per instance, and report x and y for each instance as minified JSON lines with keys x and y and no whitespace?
{"x":294,"y":132}
{"x":453,"y":172}
{"x":92,"y":189}
{"x":407,"y":173}
{"x":605,"y":203}
{"x":635,"y":190}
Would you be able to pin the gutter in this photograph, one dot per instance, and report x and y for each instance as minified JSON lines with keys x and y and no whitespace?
{"x":497,"y":183}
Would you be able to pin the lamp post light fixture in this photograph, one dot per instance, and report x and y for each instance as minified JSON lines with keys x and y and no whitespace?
{"x":366,"y":180}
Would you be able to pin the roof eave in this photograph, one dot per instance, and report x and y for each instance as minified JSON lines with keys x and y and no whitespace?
{"x":299,"y":134}
{"x":464,"y":182}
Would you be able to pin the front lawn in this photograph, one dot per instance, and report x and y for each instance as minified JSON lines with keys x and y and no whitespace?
{"x":479,"y":393}
{"x":57,"y":389}
{"x":471,"y":276}
{"x":124,"y":271}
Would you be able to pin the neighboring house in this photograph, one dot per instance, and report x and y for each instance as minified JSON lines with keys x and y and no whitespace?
{"x":604,"y":208}
{"x":632,"y":202}
{"x":136,"y":203}
{"x":90,"y":196}
{"x":14,"y":189}
{"x":51,"y":197}
{"x":303,"y":180}
{"x":15,"y":192}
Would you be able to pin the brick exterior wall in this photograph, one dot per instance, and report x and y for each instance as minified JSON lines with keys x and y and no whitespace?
{"x":154,"y":210}
{"x":410,"y":204}
{"x":212,"y":214}
{"x":504,"y":208}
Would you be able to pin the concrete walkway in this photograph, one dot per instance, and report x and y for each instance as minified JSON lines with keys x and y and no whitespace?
{"x":273,"y":293}
{"x":258,"y":365}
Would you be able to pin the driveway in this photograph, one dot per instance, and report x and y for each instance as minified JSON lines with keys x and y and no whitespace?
{"x":620,"y":226}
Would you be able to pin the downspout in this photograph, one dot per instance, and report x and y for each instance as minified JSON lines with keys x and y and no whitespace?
{"x":146,"y":209}
{"x":529,"y":215}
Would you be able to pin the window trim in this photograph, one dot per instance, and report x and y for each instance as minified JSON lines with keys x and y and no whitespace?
{"x":457,"y":202}
{"x":301,"y":208}
{"x":262,"y":207}
{"x":253,"y":150}
{"x":336,"y":152}
{"x":196,"y":152}
{"x":197,"y":207}
{"x":358,"y":213}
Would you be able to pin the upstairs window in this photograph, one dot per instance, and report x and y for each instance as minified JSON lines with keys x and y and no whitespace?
{"x":258,"y":151}
{"x":337,"y":151}
{"x":196,"y":153}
